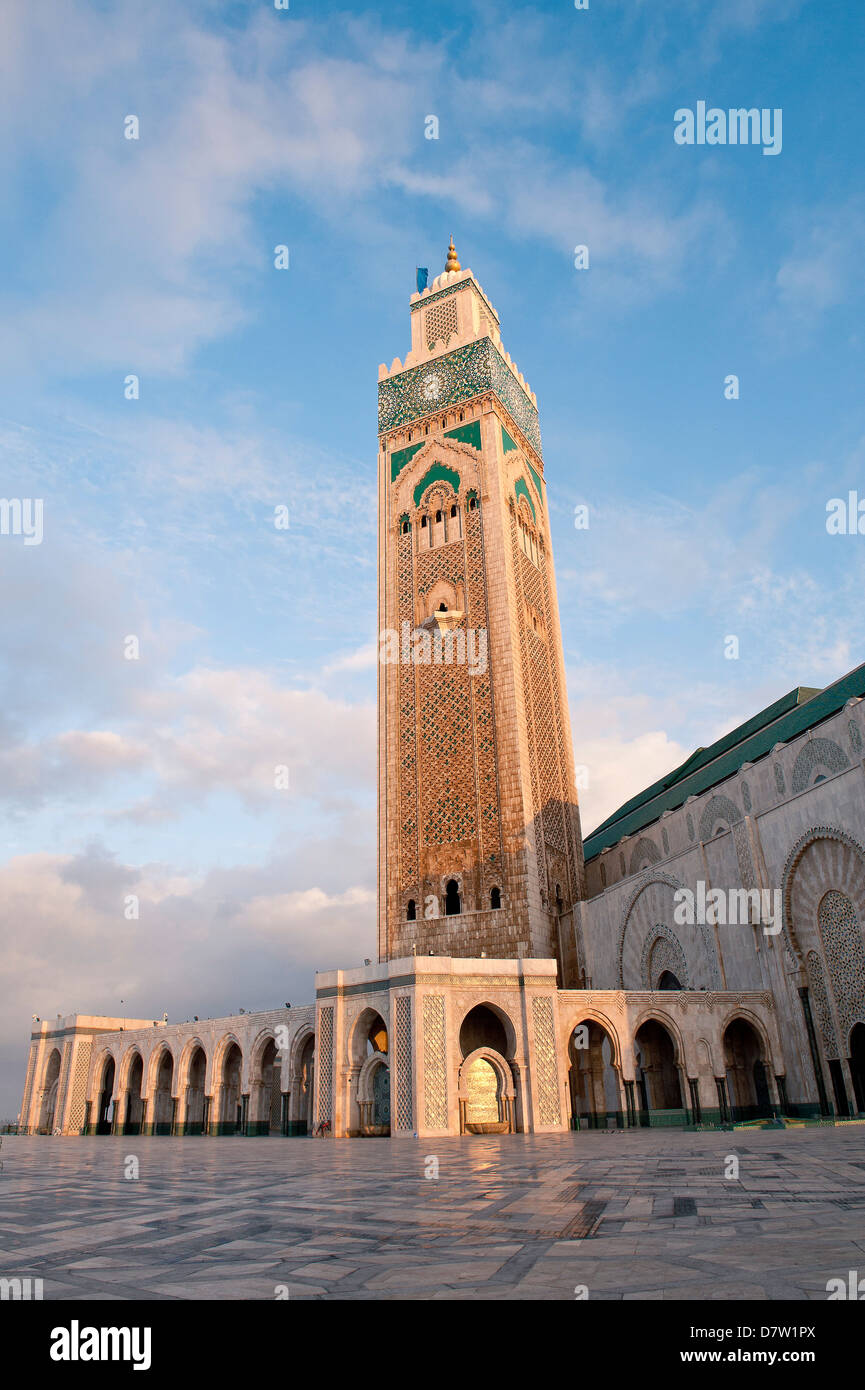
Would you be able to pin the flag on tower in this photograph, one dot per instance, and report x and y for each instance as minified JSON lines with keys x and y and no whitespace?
{"x":422,"y":278}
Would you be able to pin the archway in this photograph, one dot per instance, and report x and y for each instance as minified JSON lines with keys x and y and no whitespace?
{"x":659,"y":1087}
{"x":487,"y":1097}
{"x":267,"y":1091}
{"x":594,"y":1077}
{"x":163,"y":1102}
{"x":484,"y":1027}
{"x":370,"y":1067}
{"x":50,"y":1087}
{"x":105,"y":1099}
{"x":745,"y":1066}
{"x":134,"y":1110}
{"x":486,"y":1094}
{"x":196,"y":1101}
{"x":231,"y":1109}
{"x":857,"y":1065}
{"x":301,"y":1085}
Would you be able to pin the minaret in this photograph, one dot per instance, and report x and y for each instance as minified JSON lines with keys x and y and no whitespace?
{"x":480,"y":849}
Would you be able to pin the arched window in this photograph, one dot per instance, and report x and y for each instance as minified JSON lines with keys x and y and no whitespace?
{"x":473,"y":504}
{"x":453,"y":511}
{"x":443,"y":608}
{"x":411,"y":913}
{"x":560,"y":906}
{"x":495,"y":897}
{"x":452,"y":899}
{"x":423,"y":521}
{"x":405,"y":527}
{"x":438,"y":516}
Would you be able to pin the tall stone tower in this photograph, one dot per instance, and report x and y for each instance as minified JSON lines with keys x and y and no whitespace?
{"x":479,"y":837}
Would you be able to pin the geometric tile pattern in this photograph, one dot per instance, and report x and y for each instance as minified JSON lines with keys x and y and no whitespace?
{"x":545,"y":1060}
{"x":435,"y":1079}
{"x":845,"y":958}
{"x":402,"y":1031}
{"x":325,"y":1064}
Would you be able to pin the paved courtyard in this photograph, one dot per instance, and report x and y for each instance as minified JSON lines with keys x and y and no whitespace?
{"x":644,"y":1214}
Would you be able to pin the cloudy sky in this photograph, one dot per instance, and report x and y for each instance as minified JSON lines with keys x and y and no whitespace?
{"x":155,"y":258}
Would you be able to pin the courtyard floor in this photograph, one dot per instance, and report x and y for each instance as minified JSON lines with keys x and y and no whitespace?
{"x":645,"y":1214}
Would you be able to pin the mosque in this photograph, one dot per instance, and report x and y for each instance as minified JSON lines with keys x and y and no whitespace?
{"x":527,"y":980}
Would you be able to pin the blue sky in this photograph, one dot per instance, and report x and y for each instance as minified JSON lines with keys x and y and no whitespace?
{"x":258,"y":387}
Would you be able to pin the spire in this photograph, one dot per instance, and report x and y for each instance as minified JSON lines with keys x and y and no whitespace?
{"x":453,"y":259}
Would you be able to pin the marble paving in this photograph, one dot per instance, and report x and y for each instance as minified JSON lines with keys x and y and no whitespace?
{"x":645,"y":1214}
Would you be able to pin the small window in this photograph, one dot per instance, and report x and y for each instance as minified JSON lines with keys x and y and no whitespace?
{"x":495,"y":897}
{"x":438,"y":516}
{"x":405,"y":528}
{"x":411,"y":914}
{"x":453,"y":511}
{"x":423,"y":521}
{"x":462,"y":416}
{"x":443,"y":608}
{"x":453,"y":906}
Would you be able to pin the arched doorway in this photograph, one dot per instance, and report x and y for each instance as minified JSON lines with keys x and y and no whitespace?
{"x":134,"y":1111}
{"x":594,"y":1078}
{"x":302,"y":1087}
{"x":371,"y":1109}
{"x":486,"y":1094}
{"x":163,"y":1102}
{"x":105,"y":1099}
{"x":483,"y":1027}
{"x":267,"y":1092}
{"x":196,"y":1101}
{"x":857,"y":1065}
{"x":669,"y":981}
{"x":658,"y":1086}
{"x":745,"y":1067}
{"x":486,"y":1085}
{"x":231,"y":1113}
{"x":50,"y":1087}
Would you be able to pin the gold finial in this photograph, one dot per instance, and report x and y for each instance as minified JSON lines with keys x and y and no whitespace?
{"x":453,"y":262}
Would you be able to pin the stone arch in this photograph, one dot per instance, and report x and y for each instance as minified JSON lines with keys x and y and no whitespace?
{"x":373,"y":1096}
{"x":595,"y":1071}
{"x":790,"y":874}
{"x":185,"y":1060}
{"x":663,"y":954}
{"x":747,"y":1059}
{"x":192,"y":1087}
{"x":154,"y":1061}
{"x":718,"y":808}
{"x":644,"y":854}
{"x":131,"y":1084}
{"x":369,"y":1032}
{"x":650,"y":904}
{"x":228,"y":1094}
{"x":475,"y":1038}
{"x":817,"y":753}
{"x":161,"y":1081}
{"x":265,"y":1084}
{"x":660,"y":1074}
{"x":49,"y":1091}
{"x":104,"y":1080}
{"x":301,"y":1080}
{"x":485,"y":1091}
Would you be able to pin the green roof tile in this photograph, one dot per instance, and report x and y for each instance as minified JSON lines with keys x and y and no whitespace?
{"x":801,"y":709}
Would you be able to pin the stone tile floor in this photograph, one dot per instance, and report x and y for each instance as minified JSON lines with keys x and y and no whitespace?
{"x":645,"y":1214}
